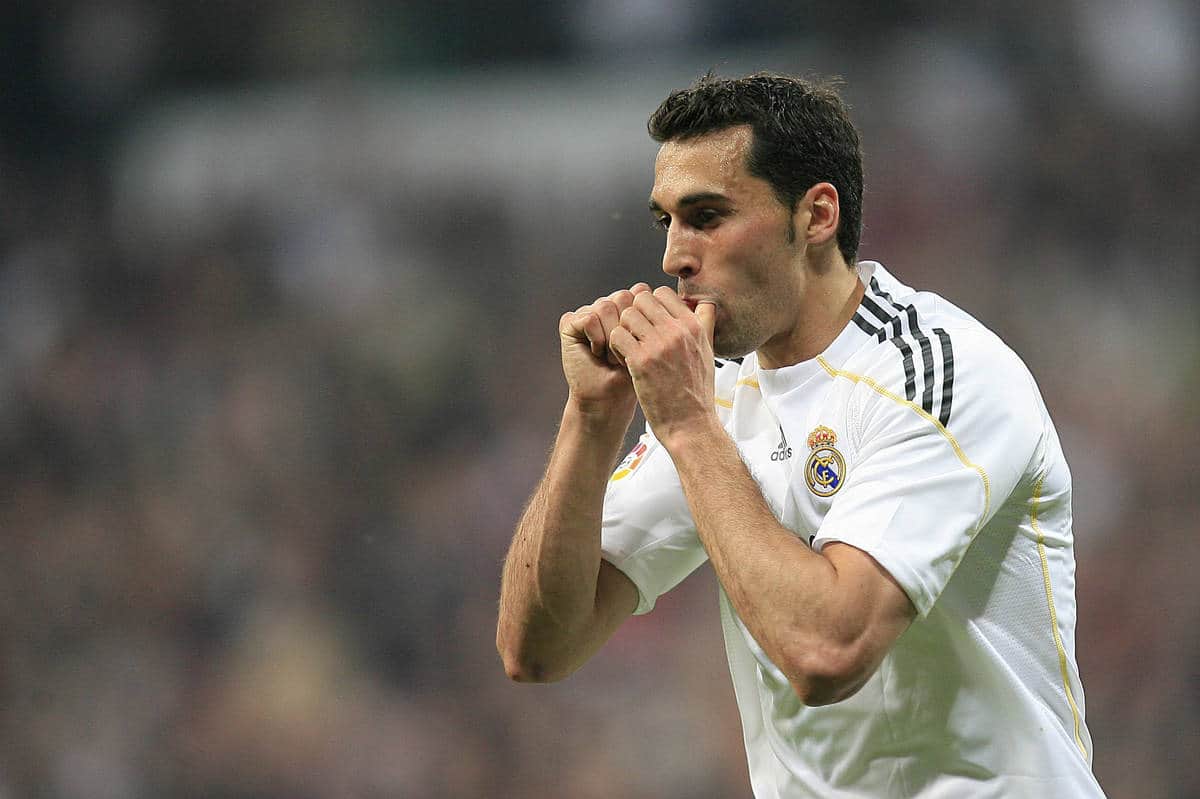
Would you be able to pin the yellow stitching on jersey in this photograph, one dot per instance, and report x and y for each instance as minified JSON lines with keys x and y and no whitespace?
{"x":1037,"y":489}
{"x":987,"y":486}
{"x":1062,"y":652}
{"x":724,"y":403}
{"x":746,"y":381}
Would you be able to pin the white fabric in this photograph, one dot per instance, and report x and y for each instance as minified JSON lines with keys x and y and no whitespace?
{"x":981,"y":696}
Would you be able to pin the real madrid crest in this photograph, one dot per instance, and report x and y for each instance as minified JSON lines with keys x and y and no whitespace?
{"x":825,"y":470}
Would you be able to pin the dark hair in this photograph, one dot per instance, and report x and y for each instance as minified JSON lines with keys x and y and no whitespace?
{"x":802,"y":136}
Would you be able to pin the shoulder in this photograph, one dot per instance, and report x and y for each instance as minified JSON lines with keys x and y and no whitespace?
{"x":935,"y":373}
{"x":931,"y":355}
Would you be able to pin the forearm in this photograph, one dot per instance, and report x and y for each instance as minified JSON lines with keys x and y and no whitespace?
{"x":551,"y":614}
{"x":826,"y":620}
{"x":788,"y":596}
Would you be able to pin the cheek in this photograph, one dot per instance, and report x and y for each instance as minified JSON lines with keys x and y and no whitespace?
{"x":758,"y":256}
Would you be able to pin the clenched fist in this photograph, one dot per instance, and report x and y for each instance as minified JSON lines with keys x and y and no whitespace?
{"x":667,"y":349}
{"x":596,"y":376}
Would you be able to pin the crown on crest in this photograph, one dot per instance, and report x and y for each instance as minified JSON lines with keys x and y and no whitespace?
{"x":821,"y":437}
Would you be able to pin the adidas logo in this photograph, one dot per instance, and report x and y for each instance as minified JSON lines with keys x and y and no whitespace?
{"x":782,"y":452}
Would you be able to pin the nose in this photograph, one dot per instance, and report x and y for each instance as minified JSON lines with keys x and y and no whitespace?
{"x":680,"y":257}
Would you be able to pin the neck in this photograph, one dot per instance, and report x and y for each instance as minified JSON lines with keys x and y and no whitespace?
{"x":830,"y":298}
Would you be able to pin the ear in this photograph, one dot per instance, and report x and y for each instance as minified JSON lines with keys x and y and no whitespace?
{"x":824,"y":213}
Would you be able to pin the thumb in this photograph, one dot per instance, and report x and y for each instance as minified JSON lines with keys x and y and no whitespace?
{"x":706,"y":312}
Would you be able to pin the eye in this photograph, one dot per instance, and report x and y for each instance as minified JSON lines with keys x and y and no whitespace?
{"x":699,"y":219}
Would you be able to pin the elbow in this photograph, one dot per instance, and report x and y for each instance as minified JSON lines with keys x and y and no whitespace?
{"x":523,"y":670}
{"x":518,"y":671}
{"x":524,"y":666}
{"x":828,"y":676}
{"x":531,"y":671}
{"x":821,"y":691}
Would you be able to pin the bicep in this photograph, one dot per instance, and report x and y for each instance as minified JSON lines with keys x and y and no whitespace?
{"x":616,"y":599}
{"x":874,"y":607}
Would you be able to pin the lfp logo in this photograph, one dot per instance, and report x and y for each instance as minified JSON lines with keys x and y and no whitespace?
{"x":631,"y":462}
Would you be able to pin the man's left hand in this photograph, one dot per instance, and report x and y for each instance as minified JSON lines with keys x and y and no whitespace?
{"x":668,"y":350}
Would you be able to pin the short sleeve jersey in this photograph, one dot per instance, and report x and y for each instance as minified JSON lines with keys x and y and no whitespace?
{"x":920,"y":438}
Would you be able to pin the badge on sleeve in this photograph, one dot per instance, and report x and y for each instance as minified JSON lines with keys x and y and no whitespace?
{"x":631,"y":462}
{"x":826,"y":468}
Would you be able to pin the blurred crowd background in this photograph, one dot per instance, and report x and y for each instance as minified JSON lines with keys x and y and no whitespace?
{"x":279,"y":284}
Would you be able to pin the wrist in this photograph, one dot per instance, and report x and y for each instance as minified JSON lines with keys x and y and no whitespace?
{"x":600,"y":418}
{"x":681,"y":439}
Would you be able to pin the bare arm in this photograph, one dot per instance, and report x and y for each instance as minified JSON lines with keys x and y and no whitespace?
{"x":559,"y":600}
{"x":825,"y":619}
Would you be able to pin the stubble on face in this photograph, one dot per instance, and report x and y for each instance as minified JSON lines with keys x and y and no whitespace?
{"x":748,"y":320}
{"x":760,"y":302}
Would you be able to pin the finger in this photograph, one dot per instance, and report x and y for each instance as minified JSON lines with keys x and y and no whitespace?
{"x":593,"y":328}
{"x":671,"y":302}
{"x":639,"y":288}
{"x":622,"y":299}
{"x":583,"y":326}
{"x":636,"y":323}
{"x":651,"y":306}
{"x":706,"y":312}
{"x":622,"y":343}
{"x":570,"y":324}
{"x":609,"y":312}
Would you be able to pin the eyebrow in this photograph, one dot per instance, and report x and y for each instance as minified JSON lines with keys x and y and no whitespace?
{"x":692,"y":199}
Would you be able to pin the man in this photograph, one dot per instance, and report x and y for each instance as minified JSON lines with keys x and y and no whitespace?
{"x":871,"y":472}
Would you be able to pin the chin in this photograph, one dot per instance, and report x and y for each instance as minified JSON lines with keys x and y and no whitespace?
{"x":730,"y":349}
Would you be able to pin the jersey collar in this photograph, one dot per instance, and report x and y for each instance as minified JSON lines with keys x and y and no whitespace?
{"x":847,"y":342}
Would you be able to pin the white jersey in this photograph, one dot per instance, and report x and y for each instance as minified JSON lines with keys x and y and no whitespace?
{"x":921,"y":439}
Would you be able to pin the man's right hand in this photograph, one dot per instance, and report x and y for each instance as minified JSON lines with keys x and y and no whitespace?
{"x":597,"y":379}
